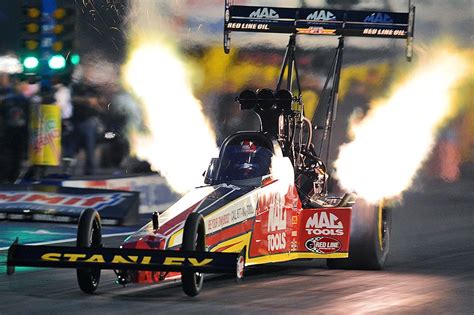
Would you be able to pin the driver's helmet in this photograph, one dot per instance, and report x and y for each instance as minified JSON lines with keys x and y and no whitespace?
{"x":244,"y":160}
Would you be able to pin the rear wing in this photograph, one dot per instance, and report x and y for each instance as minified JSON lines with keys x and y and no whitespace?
{"x":319,"y":21}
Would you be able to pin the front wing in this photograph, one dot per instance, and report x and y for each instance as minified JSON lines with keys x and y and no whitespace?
{"x":120,"y":259}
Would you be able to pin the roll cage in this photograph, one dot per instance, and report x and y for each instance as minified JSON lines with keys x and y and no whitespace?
{"x":214,"y":174}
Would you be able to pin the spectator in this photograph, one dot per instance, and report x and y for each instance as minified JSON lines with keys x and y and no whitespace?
{"x":87,"y":105}
{"x":62,"y":95}
{"x":14,"y":112}
{"x":5,"y":85}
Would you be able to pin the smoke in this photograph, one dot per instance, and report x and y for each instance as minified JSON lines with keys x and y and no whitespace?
{"x":180,"y":141}
{"x":391,"y":143}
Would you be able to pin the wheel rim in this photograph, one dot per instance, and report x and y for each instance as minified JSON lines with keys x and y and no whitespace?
{"x":198,"y":278}
{"x":383,"y":228}
{"x":198,"y":246}
{"x":240,"y":267}
{"x":95,"y":242}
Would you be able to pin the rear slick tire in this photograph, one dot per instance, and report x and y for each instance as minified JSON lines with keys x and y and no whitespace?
{"x":369,"y":240}
{"x":89,"y":234}
{"x":194,"y":239}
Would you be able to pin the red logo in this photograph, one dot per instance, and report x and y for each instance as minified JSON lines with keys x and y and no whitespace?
{"x":323,"y":245}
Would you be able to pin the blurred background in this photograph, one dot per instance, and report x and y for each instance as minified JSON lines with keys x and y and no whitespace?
{"x":118,"y":119}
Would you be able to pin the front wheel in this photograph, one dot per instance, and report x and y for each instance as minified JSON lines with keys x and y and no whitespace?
{"x":194,"y":239}
{"x":89,"y":234}
{"x":369,"y":240}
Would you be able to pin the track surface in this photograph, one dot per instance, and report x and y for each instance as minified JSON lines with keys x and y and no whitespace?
{"x":430,"y":270}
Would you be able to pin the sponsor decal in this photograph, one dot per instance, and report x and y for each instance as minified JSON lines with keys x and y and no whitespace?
{"x":321,"y":15}
{"x":384,"y":32}
{"x":378,"y":18}
{"x":324,"y":223}
{"x":316,"y":31}
{"x":323,"y":245}
{"x":122,"y":259}
{"x":63,"y":202}
{"x":230,"y":216}
{"x":242,"y":213}
{"x":264,"y":13}
{"x":219,"y":222}
{"x":248,"y":26}
{"x":294,"y":220}
{"x":294,"y":245}
{"x":276,"y":240}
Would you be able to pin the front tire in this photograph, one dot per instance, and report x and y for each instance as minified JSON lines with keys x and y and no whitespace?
{"x":194,"y":239}
{"x":369,"y":240}
{"x":89,"y":234}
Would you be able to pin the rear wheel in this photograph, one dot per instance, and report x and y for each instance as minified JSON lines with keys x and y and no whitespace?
{"x":194,"y":239}
{"x":89,"y":234}
{"x":369,"y":240}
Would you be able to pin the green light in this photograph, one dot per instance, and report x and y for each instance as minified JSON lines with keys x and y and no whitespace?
{"x":30,"y":62}
{"x":75,"y":59}
{"x":57,"y":62}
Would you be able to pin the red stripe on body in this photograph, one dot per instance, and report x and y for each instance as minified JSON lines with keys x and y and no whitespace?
{"x":171,"y":225}
{"x":229,"y":233}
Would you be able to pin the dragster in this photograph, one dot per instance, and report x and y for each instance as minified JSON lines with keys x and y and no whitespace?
{"x":267,"y":197}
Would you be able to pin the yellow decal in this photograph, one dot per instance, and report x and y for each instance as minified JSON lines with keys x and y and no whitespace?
{"x":51,"y":256}
{"x":121,"y":260}
{"x":74,"y":257}
{"x":175,"y":238}
{"x":195,"y":262}
{"x":234,"y":245}
{"x":290,"y":256}
{"x":95,"y":258}
{"x":174,"y":261}
{"x":146,"y":260}
{"x":118,"y":259}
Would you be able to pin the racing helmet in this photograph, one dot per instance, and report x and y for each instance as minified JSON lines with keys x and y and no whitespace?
{"x":246,"y":163}
{"x":244,"y":160}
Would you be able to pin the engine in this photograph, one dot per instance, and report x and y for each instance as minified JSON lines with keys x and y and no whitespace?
{"x":281,"y":116}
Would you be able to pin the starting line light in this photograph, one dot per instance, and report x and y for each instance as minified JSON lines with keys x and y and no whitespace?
{"x":47,"y":37}
{"x":30,"y":63}
{"x":57,"y":62}
{"x":75,"y":59}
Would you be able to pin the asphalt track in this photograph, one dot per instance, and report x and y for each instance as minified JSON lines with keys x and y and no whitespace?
{"x":430,"y":270}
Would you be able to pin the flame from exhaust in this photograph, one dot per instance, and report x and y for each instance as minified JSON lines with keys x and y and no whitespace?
{"x":180,"y":142}
{"x":391,"y":143}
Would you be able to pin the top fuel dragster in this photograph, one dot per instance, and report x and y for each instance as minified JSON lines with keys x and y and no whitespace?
{"x":266,"y":196}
